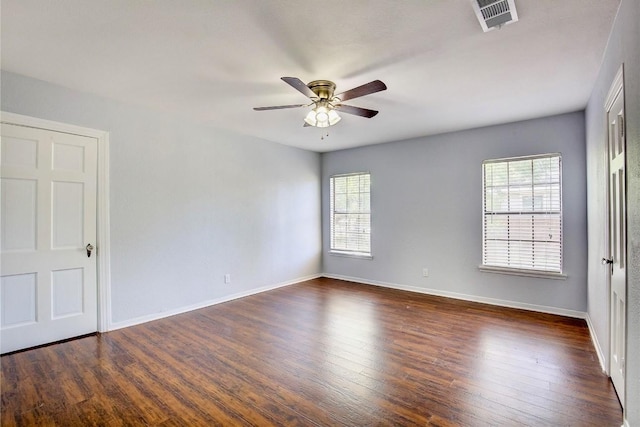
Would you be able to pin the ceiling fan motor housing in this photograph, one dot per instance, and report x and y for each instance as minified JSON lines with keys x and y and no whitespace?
{"x":322,"y":88}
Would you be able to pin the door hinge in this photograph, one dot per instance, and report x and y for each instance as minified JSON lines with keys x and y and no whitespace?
{"x":621,"y":126}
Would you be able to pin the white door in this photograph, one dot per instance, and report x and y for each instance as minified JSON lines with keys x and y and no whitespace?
{"x":617,"y":236}
{"x":48,"y":285}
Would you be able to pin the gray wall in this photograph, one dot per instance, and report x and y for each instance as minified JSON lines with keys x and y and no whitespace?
{"x":426,"y":201}
{"x":190,"y":203}
{"x":623,"y":47}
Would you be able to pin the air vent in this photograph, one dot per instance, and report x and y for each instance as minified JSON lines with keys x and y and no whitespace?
{"x":494,"y":14}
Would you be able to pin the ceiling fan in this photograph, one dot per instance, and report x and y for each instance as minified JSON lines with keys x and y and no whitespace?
{"x":325,"y":104}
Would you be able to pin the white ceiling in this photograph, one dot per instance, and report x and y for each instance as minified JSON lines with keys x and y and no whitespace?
{"x":213,"y":60}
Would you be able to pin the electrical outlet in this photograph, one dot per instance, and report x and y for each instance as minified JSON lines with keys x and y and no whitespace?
{"x":227,"y":278}
{"x":425,"y":272}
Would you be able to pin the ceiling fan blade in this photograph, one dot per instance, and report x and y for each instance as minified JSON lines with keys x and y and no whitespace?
{"x":349,"y":109}
{"x":365,"y":89}
{"x":300,"y":86}
{"x":278,"y":107}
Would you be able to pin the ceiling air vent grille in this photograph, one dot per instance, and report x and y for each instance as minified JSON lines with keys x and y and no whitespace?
{"x":494,"y":14}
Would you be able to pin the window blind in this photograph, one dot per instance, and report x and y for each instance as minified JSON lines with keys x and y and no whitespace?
{"x":350,"y":218}
{"x":522,"y":213}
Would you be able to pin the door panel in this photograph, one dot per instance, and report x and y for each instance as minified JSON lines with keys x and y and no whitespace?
{"x":48,"y":284}
{"x":19,"y":152}
{"x":19,"y":299}
{"x":67,"y":292}
{"x":67,"y":201}
{"x":18,"y":214}
{"x":68,"y":157}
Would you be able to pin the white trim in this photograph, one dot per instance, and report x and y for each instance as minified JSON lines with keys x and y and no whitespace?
{"x":360,"y":255}
{"x":34,"y":122}
{"x":104,"y":237}
{"x":521,"y":272}
{"x":350,"y":251}
{"x":616,"y":86}
{"x":339,"y":175}
{"x":516,"y":158}
{"x":465,"y":297}
{"x":495,"y":261}
{"x":207,"y":303}
{"x":596,"y":344}
{"x":103,"y":230}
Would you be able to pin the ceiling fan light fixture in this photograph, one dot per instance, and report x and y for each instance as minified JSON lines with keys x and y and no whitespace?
{"x":322,"y":117}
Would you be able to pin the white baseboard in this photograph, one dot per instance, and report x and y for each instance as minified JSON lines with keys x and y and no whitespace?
{"x":203,"y":304}
{"x":492,"y":301}
{"x":465,"y":297}
{"x":596,"y":344}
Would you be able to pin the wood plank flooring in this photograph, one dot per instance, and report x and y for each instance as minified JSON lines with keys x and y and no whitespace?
{"x":320,"y":353}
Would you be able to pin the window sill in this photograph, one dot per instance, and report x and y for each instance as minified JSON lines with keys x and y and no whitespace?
{"x":519,"y":272}
{"x":351,"y":254}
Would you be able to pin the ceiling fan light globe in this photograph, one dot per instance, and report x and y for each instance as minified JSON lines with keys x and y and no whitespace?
{"x":334,"y":117}
{"x":322,"y":117}
{"x":310,"y":119}
{"x":322,"y":113}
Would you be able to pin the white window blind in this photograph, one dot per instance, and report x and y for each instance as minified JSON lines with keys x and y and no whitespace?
{"x":350,"y":219}
{"x":522,"y":219}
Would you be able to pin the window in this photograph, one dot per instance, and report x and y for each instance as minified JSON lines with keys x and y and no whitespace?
{"x":350,"y":214}
{"x":522,"y":214}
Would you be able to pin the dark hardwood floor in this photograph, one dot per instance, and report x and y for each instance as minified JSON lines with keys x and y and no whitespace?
{"x":322,"y":352}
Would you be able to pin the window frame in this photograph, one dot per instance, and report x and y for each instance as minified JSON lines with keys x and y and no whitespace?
{"x":520,"y":270}
{"x":346,"y":252}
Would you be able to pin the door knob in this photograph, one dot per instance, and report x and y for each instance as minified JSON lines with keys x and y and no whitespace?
{"x":89,"y":248}
{"x":606,"y":261}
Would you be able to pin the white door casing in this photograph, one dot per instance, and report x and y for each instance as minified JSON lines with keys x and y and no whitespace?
{"x":616,"y":258}
{"x":46,"y":288}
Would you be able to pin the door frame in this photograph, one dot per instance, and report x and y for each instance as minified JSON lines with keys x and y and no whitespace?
{"x":103,"y":260}
{"x":617,"y":87}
